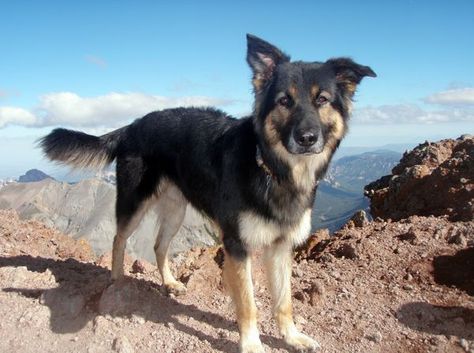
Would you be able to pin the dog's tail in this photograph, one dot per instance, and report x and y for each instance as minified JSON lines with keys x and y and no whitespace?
{"x":80,"y":150}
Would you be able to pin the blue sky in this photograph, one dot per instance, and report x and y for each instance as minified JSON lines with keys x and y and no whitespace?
{"x":96,"y":65}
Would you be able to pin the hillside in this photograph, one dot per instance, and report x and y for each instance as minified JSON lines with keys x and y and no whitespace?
{"x":85,"y":210}
{"x":334,"y":207}
{"x":341,"y":194}
{"x":352,"y":173}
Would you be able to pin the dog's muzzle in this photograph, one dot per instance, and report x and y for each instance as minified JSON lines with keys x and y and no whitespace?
{"x":306,"y":141}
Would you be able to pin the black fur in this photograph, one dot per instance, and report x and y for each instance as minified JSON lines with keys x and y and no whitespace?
{"x":211,"y":157}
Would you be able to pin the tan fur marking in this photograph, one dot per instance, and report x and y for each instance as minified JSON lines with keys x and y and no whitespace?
{"x":270,"y":131}
{"x":293,"y":91}
{"x":170,"y":206}
{"x":257,"y":83}
{"x":278,"y":260}
{"x":314,"y":91}
{"x":120,"y":240}
{"x":351,"y":87}
{"x":332,"y":119}
{"x":237,"y":277}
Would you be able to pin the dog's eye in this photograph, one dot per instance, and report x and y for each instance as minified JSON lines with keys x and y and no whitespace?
{"x":321,"y":100}
{"x":285,"y":101}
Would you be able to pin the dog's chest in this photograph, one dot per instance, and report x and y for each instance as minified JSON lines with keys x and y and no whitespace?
{"x":255,"y":231}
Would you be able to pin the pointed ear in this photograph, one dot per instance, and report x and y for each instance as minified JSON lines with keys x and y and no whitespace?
{"x":263,"y":58}
{"x":349,"y":73}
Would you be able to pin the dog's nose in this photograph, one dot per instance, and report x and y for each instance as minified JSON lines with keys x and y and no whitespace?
{"x":307,"y":138}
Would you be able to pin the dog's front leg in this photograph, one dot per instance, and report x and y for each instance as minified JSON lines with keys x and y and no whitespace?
{"x":237,"y":275}
{"x":278,"y":260}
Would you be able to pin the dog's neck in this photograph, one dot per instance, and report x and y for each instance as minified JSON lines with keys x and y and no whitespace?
{"x":261,"y":163}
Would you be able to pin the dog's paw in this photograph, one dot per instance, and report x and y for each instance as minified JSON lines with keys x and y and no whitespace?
{"x":252,"y":347}
{"x":175,"y":288}
{"x":302,"y":343}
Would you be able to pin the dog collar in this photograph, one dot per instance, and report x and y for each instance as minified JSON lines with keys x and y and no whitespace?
{"x":261,"y":163}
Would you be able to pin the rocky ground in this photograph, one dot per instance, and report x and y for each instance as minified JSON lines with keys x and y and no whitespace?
{"x":384,"y":287}
{"x":435,"y":178}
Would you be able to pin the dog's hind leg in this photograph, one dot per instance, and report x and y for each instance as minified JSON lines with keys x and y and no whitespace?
{"x":278,"y":258}
{"x":237,"y":276}
{"x":125,"y":228}
{"x":134,"y":189}
{"x":171,"y":208}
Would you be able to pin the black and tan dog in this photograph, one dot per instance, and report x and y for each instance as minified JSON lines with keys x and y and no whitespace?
{"x":256,"y":177}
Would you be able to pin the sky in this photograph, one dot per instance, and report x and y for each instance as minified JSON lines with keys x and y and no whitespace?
{"x":98,"y":65}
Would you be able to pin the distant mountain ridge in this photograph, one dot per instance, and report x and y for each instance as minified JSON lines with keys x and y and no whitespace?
{"x":341,"y":193}
{"x":352,"y":173}
{"x":33,"y":175}
{"x":86,"y":210}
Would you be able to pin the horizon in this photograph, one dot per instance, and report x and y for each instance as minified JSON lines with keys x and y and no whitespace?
{"x":97,"y":66}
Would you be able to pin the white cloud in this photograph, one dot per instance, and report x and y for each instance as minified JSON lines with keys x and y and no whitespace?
{"x":110,"y":110}
{"x":17,"y":116}
{"x":458,"y":96}
{"x":410,"y":114}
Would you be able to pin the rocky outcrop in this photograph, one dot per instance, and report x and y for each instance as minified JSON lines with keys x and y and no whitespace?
{"x":432,"y":179}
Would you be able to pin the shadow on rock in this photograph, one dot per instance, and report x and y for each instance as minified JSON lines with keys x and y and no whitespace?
{"x":456,"y":270}
{"x":439,"y":320}
{"x":82,"y":292}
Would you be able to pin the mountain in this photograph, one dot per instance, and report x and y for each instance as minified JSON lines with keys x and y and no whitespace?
{"x":86,"y":210}
{"x":33,"y":175}
{"x":334,"y":207}
{"x":341,"y":193}
{"x":352,"y":173}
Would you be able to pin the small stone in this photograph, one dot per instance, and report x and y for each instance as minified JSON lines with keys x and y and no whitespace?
{"x":408,"y":277}
{"x":316,"y":294}
{"x":348,"y":251}
{"x":458,"y":239}
{"x":138,"y":267}
{"x":464,"y":344}
{"x":360,"y":219}
{"x":223,"y":333}
{"x":299,"y":295}
{"x":297,"y":272}
{"x":169,"y":325}
{"x":375,"y":337}
{"x":136,"y":319}
{"x":407,"y":287}
{"x":122,"y":345}
{"x":327,"y":257}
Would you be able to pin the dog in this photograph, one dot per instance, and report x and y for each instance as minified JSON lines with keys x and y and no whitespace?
{"x":255,"y":177}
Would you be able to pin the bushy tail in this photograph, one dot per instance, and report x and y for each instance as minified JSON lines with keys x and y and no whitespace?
{"x":80,"y":150}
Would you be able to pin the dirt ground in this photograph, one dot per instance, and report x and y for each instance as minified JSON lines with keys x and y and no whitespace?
{"x":403,"y":286}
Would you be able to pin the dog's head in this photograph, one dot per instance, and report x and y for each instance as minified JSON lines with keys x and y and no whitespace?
{"x":303,"y":106}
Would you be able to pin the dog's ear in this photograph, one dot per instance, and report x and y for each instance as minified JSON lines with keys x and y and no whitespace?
{"x":263,"y":58}
{"x":348,"y":73}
